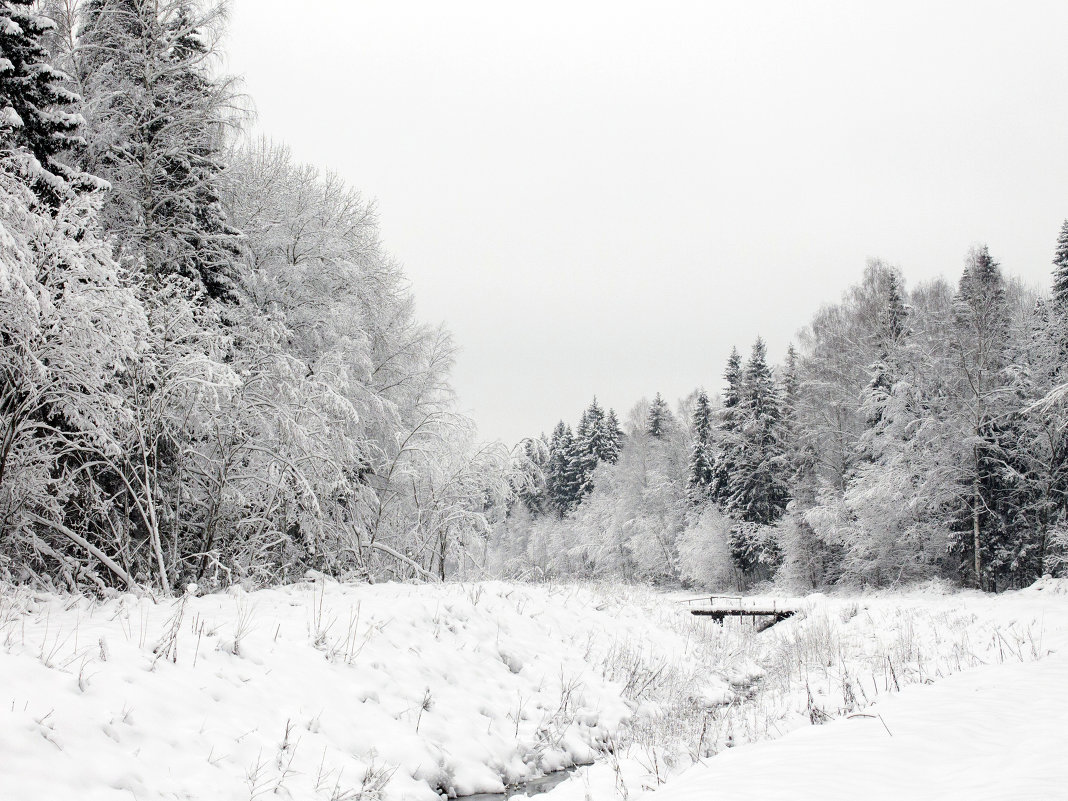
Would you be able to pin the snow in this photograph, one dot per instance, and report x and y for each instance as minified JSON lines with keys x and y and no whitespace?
{"x":991,"y":733}
{"x":304,"y":691}
{"x":323,"y":690}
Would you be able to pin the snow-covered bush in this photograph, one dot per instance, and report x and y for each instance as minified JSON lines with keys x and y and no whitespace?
{"x":705,"y":554}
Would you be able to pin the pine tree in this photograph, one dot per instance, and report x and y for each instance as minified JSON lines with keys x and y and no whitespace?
{"x":37,"y":112}
{"x":701,"y":473}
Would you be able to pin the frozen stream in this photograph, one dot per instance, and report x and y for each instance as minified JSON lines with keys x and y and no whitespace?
{"x":542,"y":784}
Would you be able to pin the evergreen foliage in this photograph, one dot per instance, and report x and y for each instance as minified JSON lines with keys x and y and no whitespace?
{"x":562,"y":479}
{"x":1060,"y":269}
{"x":757,"y":484}
{"x":157,"y":116}
{"x":729,"y":427}
{"x":701,"y":471}
{"x":38,"y":113}
{"x":659,"y":419}
{"x":612,"y":438}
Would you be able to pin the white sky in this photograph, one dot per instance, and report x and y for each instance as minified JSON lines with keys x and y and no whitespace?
{"x":603,"y":197}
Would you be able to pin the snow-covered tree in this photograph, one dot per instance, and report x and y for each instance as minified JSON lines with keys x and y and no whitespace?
{"x":561,"y":478}
{"x":758,"y":482}
{"x":612,"y":438}
{"x":982,"y":327}
{"x":727,"y":429}
{"x":701,"y":455}
{"x":660,"y":420}
{"x":38,"y":113}
{"x":1060,"y":270}
{"x":157,"y":113}
{"x":69,"y":331}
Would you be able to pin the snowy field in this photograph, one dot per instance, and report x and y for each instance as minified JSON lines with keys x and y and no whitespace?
{"x":325,"y":691}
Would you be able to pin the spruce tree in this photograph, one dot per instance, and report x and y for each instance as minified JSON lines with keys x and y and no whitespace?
{"x":596,"y":436}
{"x":613,"y":437}
{"x":790,"y":390}
{"x":883,"y":372}
{"x":733,"y":376}
{"x":38,"y":114}
{"x":532,"y":492}
{"x":757,"y":484}
{"x":583,"y":451}
{"x":659,"y":419}
{"x":981,"y":317}
{"x":156,"y":115}
{"x":701,"y":473}
{"x":758,"y":487}
{"x":561,"y":478}
{"x":1060,"y":270}
{"x":724,"y":454}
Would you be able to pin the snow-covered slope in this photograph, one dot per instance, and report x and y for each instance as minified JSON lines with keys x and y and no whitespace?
{"x":996,"y":733}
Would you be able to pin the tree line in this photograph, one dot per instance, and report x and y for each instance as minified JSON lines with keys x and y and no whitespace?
{"x":909,"y":435}
{"x":210,"y":367}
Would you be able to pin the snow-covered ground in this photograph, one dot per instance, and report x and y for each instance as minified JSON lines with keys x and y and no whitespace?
{"x":325,"y":691}
{"x":993,"y":733}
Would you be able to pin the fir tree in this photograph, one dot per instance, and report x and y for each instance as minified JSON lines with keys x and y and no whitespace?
{"x":733,"y":376}
{"x":757,"y":484}
{"x":37,"y":113}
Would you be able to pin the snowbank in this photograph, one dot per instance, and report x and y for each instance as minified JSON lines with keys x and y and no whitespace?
{"x":314,"y":691}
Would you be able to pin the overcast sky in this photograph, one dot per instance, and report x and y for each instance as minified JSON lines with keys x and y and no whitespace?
{"x":604,"y":197}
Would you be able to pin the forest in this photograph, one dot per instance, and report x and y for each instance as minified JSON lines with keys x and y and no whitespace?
{"x":212,"y":372}
{"x":211,"y":369}
{"x":911,"y":434}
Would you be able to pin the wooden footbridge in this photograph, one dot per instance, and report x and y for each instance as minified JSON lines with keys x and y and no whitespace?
{"x":720,"y":607}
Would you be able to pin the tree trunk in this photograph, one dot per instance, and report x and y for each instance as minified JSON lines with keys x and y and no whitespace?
{"x":975,"y":526}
